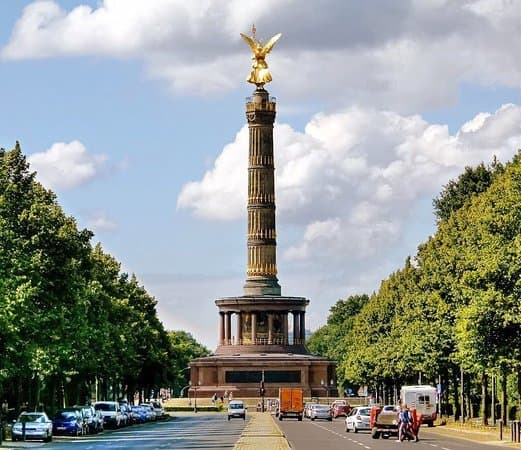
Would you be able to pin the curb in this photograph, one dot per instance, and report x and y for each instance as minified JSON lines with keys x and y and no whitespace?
{"x":472,"y":435}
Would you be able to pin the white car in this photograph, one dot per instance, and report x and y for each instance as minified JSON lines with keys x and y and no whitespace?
{"x":158,"y":409}
{"x":111,"y":412}
{"x":37,"y":426}
{"x":318,"y":411}
{"x":358,"y":419}
{"x":236,"y":408}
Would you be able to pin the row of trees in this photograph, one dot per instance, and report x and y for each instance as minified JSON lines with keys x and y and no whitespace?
{"x":452,"y":314}
{"x":72,"y":325}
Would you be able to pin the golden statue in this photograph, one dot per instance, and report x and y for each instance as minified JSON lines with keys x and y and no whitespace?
{"x":260,"y":74}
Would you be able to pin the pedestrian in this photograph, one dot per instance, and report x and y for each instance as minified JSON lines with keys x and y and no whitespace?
{"x":214,"y":398}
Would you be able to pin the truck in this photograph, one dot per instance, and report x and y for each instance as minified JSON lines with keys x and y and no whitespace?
{"x":422,"y":398}
{"x":384,"y":421}
{"x":290,"y":403}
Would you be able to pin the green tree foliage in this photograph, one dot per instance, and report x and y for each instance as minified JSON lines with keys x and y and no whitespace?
{"x":329,"y":340}
{"x":456,"y":304}
{"x":185,"y":348}
{"x":71,"y":324}
{"x":457,"y":192}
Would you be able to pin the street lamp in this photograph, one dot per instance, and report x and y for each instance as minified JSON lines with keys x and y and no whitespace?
{"x":195,"y":395}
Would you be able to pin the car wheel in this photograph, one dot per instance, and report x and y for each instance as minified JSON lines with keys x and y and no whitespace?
{"x":330,"y":419}
{"x":355,"y":429}
{"x":312,"y":418}
{"x":347,"y":428}
{"x":229,"y":417}
{"x":49,"y":437}
{"x":375,"y":434}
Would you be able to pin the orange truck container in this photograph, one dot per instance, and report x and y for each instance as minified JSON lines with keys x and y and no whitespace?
{"x":291,"y":403}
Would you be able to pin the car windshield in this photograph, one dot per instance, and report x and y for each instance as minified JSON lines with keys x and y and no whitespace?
{"x":68,"y":415}
{"x":322,"y":407}
{"x":236,"y":406}
{"x":105,"y":406}
{"x":29,"y":417}
{"x":364,"y":411}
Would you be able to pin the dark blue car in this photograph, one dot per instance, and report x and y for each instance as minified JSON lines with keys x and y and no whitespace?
{"x":68,"y":421}
{"x":139,"y":414}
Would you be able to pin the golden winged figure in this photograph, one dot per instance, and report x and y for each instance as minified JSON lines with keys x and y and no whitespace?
{"x":260,"y":74}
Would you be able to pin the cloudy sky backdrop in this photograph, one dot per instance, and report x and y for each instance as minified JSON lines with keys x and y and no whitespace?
{"x":133,"y":113}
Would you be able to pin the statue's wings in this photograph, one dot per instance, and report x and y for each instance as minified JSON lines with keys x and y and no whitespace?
{"x":250,"y":42}
{"x":266,"y":49}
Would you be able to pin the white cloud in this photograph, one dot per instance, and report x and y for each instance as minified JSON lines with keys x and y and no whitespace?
{"x":66,"y":165}
{"x":350,"y":182}
{"x":100,"y":221}
{"x":400,"y":56}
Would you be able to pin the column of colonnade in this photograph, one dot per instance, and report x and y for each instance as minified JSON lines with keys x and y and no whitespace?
{"x":225,"y":328}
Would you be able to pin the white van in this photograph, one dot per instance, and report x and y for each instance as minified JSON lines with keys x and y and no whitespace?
{"x":111,"y":412}
{"x":236,"y":408}
{"x":423,"y":399}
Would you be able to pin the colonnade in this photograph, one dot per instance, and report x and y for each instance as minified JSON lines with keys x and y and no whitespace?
{"x":251,"y":338}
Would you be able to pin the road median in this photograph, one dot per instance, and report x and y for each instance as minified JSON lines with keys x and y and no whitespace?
{"x":261,"y":433}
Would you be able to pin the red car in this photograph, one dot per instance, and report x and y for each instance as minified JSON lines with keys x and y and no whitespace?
{"x":340,"y":408}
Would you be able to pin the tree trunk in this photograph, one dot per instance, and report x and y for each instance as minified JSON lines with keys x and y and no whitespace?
{"x":455,"y":384}
{"x":504,"y":395}
{"x":484,"y":398}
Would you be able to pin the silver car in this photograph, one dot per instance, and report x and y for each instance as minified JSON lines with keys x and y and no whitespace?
{"x":318,"y":411}
{"x":359,"y":419}
{"x":37,"y":426}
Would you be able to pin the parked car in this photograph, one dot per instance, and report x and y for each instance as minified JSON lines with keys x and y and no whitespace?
{"x":90,"y":419}
{"x":98,"y":415}
{"x":158,"y":409}
{"x":111,"y":413}
{"x":358,"y":419}
{"x":37,"y":426}
{"x":126,"y":414}
{"x":319,"y":411}
{"x":236,"y":408}
{"x":68,"y":421}
{"x":150,"y":414}
{"x":138,"y":414}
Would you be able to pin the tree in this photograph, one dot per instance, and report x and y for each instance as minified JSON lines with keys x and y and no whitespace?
{"x":184,"y":349}
{"x":470,"y":183}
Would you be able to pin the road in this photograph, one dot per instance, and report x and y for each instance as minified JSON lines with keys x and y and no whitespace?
{"x":308,"y":435}
{"x":194,"y":431}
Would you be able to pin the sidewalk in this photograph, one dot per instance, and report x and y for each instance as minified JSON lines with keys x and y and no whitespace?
{"x":484,"y":437}
{"x":261,"y":433}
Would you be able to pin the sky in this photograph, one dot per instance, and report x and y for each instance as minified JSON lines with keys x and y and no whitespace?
{"x":133,"y":113}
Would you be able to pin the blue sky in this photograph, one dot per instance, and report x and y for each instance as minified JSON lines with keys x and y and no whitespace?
{"x":133,"y":113}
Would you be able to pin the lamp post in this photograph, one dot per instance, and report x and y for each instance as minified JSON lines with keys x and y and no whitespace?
{"x":195,"y":395}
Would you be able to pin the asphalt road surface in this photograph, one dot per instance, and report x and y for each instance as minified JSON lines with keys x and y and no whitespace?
{"x":195,"y":431}
{"x":321,"y":434}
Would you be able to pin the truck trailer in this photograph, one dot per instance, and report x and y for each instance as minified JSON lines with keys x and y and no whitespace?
{"x":290,"y":403}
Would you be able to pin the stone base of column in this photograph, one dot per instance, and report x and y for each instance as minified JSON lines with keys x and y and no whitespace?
{"x":261,"y":286}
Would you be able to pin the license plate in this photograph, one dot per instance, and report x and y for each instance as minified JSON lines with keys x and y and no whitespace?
{"x":60,"y":428}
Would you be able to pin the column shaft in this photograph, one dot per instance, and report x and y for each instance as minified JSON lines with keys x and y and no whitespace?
{"x":254,"y":328}
{"x":296,"y":328}
{"x":302,"y":327}
{"x":239,"y":328}
{"x":228,"y":328}
{"x":285,"y":328}
{"x":270,"y":328}
{"x":221,"y":328}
